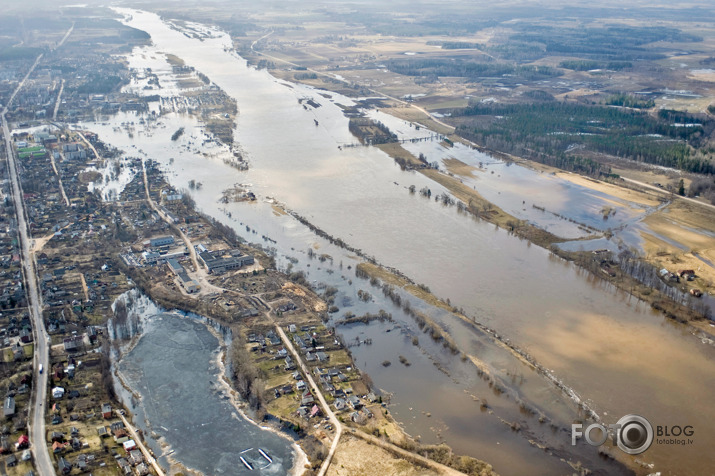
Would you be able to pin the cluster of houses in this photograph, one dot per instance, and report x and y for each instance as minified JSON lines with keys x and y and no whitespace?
{"x":61,"y":443}
{"x":308,"y":345}
{"x":11,"y":291}
{"x":16,"y":339}
{"x":330,"y":379}
{"x":133,"y":462}
{"x":9,"y":405}
{"x":687,"y":274}
{"x":682,"y":274}
{"x":71,"y":440}
{"x":22,"y":445}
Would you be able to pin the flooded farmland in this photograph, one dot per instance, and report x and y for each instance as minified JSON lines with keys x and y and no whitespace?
{"x":616,"y":354}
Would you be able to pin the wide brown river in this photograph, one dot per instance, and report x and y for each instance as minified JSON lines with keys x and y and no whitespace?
{"x":614,"y":352}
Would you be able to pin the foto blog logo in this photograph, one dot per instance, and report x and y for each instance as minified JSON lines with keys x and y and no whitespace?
{"x":633,"y":434}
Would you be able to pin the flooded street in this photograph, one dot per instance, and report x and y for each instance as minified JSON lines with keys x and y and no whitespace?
{"x":617,"y":354}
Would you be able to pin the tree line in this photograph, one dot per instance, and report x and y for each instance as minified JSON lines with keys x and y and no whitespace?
{"x":555,"y":131}
{"x":627,"y":100}
{"x":588,"y":65}
{"x":621,"y":43}
{"x":369,"y":131}
{"x":468,"y":69}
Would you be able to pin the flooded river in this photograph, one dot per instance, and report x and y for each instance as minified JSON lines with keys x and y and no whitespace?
{"x":616,"y":354}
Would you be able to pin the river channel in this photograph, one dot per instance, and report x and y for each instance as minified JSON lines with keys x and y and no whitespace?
{"x":617,"y":355}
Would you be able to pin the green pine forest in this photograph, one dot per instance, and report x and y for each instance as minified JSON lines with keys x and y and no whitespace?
{"x":557,"y":133}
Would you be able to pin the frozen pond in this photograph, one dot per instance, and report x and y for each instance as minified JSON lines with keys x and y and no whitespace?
{"x":174,"y":369}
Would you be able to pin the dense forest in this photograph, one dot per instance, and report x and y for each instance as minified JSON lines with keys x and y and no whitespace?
{"x":608,"y":47}
{"x":627,"y":100}
{"x":588,"y":65}
{"x":614,"y":43}
{"x":555,"y":132}
{"x":468,"y":69}
{"x":19,"y":53}
{"x":513,"y":50}
{"x":464,"y":18}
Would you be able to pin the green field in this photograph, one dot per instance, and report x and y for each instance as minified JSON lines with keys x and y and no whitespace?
{"x":33,"y":148}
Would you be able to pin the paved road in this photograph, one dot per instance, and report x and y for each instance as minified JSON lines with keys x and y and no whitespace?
{"x":36,"y":427}
{"x":59,"y":98}
{"x":59,"y":179}
{"x":64,"y":38}
{"x":440,"y":468}
{"x":147,"y":455}
{"x":665,"y":192}
{"x":89,"y":144}
{"x":37,"y":414}
{"x":22,"y":83}
{"x":201,"y":274}
{"x":308,"y":375}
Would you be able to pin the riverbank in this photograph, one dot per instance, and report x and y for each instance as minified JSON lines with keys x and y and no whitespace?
{"x":218,"y":362}
{"x":488,"y":272}
{"x":490,"y":212}
{"x":603,"y":266}
{"x":262,"y":376}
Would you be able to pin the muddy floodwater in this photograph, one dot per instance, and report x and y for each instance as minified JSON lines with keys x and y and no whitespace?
{"x":173,"y":368}
{"x":610,"y":351}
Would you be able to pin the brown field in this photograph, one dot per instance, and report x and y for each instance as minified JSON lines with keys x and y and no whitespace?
{"x":396,"y":151}
{"x":614,"y":191}
{"x":356,"y":457}
{"x":649,"y":176}
{"x":458,"y":167}
{"x":413,"y":114}
{"x":679,"y":222}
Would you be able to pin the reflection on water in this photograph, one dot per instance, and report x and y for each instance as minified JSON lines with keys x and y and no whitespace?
{"x":610,"y":348}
